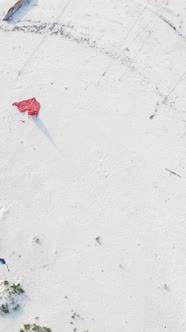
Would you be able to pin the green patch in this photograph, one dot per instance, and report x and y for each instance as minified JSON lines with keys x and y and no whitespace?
{"x":17,"y":289}
{"x":5,"y":282}
{"x":34,"y":328}
{"x":10,"y":297}
{"x":4,"y":309}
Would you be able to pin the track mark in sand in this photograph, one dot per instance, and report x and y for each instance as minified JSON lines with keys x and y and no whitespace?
{"x":42,"y":40}
{"x":165,"y":99}
{"x":174,"y":173}
{"x":85,"y":39}
{"x":174,"y":87}
{"x":131,"y":63}
{"x":137,"y":53}
{"x":169,"y":23}
{"x":172,"y":26}
{"x":66,"y":31}
{"x":128,"y":34}
{"x":155,"y":111}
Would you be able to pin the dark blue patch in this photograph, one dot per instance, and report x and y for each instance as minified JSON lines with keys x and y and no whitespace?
{"x":2,"y":261}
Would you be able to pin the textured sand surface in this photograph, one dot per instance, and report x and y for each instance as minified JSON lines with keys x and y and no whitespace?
{"x":100,"y":176}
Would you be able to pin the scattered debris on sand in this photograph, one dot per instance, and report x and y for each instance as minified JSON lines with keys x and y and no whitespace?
{"x":36,"y":240}
{"x":10,"y":297}
{"x":34,"y":328}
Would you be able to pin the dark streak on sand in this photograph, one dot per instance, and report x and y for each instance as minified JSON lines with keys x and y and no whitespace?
{"x":156,"y":109}
{"x":65,"y":30}
{"x":172,"y":26}
{"x":173,"y":173}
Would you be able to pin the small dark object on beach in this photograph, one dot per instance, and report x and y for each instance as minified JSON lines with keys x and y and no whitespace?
{"x":98,"y":240}
{"x":13,"y":9}
{"x":2,"y":261}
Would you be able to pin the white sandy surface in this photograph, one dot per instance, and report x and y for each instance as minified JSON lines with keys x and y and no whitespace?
{"x":89,"y":177}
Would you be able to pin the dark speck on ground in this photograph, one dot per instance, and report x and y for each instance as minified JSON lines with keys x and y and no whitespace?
{"x":98,"y":240}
